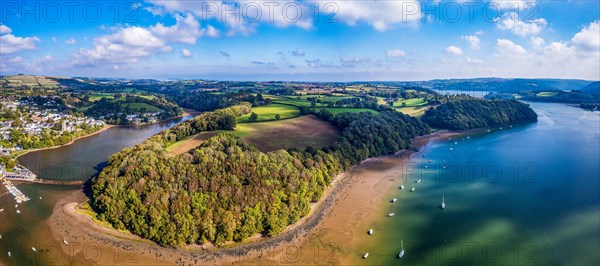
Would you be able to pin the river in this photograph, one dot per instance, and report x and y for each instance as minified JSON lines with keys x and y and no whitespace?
{"x":78,"y":161}
{"x":520,"y":195}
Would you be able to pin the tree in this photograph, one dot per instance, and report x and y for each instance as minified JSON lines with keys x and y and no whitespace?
{"x":268,"y":101}
{"x":277,"y":116}
{"x":253,"y":117}
{"x":403,"y":104}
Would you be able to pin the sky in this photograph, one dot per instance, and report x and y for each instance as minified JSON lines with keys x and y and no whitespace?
{"x":302,"y":40}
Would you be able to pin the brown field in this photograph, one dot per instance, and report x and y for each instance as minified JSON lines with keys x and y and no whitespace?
{"x":191,"y":143}
{"x":298,"y":133}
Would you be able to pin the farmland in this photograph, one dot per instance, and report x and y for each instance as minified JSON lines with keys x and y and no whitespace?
{"x":268,"y":113}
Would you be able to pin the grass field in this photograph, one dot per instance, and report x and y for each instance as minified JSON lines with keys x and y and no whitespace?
{"x":267,"y":113}
{"x":411,"y":102}
{"x":547,"y":94}
{"x":336,"y":111}
{"x":299,"y":132}
{"x":415,"y":111}
{"x":147,"y":107}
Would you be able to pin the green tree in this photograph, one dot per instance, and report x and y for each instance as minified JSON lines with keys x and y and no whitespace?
{"x":253,"y":117}
{"x":277,"y":116}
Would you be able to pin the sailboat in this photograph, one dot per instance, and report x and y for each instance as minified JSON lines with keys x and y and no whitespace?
{"x":401,"y":254}
{"x":443,"y":205}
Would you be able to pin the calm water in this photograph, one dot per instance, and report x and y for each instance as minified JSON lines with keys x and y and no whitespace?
{"x":88,"y":155}
{"x":79,"y":161}
{"x":526,"y":195}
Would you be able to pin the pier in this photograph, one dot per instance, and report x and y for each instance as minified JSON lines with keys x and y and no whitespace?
{"x":19,"y":196}
{"x":18,"y":173}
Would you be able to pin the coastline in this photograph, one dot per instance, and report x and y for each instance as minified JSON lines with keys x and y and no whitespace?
{"x":332,"y":223}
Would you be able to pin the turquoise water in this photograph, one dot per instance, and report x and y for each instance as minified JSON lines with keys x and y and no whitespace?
{"x":526,"y":195}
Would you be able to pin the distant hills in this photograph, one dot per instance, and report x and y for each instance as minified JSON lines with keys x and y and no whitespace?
{"x":507,"y":85}
{"x":593,"y":88}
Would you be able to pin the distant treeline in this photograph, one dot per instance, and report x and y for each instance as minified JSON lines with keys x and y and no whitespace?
{"x":227,"y":190}
{"x":475,"y":113}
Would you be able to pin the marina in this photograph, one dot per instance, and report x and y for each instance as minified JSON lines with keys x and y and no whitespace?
{"x":17,"y":194}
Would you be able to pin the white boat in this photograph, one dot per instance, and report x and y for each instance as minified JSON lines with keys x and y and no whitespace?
{"x":443,"y":205}
{"x":401,"y":186}
{"x":444,"y":167}
{"x":391,"y":214}
{"x":370,"y":231}
{"x":426,"y":166}
{"x":40,"y":197}
{"x":65,"y":241}
{"x":394,"y":200}
{"x":9,"y":254}
{"x":366,"y":255}
{"x":1,"y":210}
{"x":18,"y":211}
{"x":401,"y":254}
{"x":412,"y":189}
{"x":455,"y":142}
{"x":451,"y":149}
{"x":489,"y":131}
{"x":34,"y":250}
{"x":418,"y":181}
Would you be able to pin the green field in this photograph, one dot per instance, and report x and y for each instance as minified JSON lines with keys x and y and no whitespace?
{"x":267,"y":113}
{"x":336,"y":111}
{"x":415,"y":111}
{"x":140,"y":106}
{"x":97,"y":96}
{"x":547,"y":94}
{"x":410,"y":102}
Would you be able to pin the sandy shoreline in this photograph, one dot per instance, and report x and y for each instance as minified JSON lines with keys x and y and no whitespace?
{"x":328,"y":230}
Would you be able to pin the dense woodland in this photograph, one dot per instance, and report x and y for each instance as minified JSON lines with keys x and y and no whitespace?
{"x":227,"y":190}
{"x":475,"y":113}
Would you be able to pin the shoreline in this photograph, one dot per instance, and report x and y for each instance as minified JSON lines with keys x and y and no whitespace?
{"x":324,"y":216}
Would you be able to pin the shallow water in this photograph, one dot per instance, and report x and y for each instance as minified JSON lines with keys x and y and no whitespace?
{"x":526,"y":195}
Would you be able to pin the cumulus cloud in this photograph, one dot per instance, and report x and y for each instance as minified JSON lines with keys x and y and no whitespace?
{"x":588,"y":38}
{"x":453,"y":50}
{"x":395,"y":53}
{"x":474,"y":41}
{"x":537,"y":41}
{"x":126,"y":45}
{"x":71,"y":41}
{"x":507,"y":48}
{"x":186,"y":29}
{"x":10,"y":43}
{"x":512,"y":22}
{"x":379,"y":14}
{"x":298,"y":52}
{"x":186,"y":53}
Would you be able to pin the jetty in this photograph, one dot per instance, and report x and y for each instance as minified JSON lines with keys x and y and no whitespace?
{"x":19,"y":196}
{"x":17,"y":173}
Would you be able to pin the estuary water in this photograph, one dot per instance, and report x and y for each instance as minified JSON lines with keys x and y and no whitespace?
{"x":517,"y":195}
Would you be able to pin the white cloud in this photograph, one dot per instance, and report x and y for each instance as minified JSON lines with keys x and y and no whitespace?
{"x":514,"y":4}
{"x":474,"y":61}
{"x":379,"y":14}
{"x":537,"y":41}
{"x":474,"y":41}
{"x":186,"y":29}
{"x":298,"y":52}
{"x":395,"y":53}
{"x":127,"y":45}
{"x":71,"y":41}
{"x":186,"y":53}
{"x":5,"y":30}
{"x":212,"y":32}
{"x":507,"y":48}
{"x":10,"y":43}
{"x":453,"y":50}
{"x":588,"y":38}
{"x":510,"y":21}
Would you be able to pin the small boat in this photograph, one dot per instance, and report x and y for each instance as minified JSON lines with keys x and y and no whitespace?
{"x":34,"y":250}
{"x":501,"y":128}
{"x":444,"y":167}
{"x":65,"y":241}
{"x":489,"y":131}
{"x":401,"y":186}
{"x":394,"y":200}
{"x":18,"y":211}
{"x":40,"y":197}
{"x":443,"y":205}
{"x":9,"y":254}
{"x":370,"y":231}
{"x":451,"y":149}
{"x":412,"y":189}
{"x":455,"y":142}
{"x":418,"y":181}
{"x":1,"y":210}
{"x":401,"y":254}
{"x":17,"y":206}
{"x":391,"y":214}
{"x":468,"y":137}
{"x":426,"y":166}
{"x":366,"y":255}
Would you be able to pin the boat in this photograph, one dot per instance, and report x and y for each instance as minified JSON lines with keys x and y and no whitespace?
{"x":444,"y":167}
{"x":18,"y":211}
{"x":430,"y":161}
{"x":394,"y":200}
{"x":443,"y":205}
{"x":391,"y":214}
{"x":1,"y":210}
{"x":401,"y":254}
{"x":366,"y":255}
{"x":426,"y":166}
{"x":451,"y":149}
{"x":34,"y":250}
{"x":9,"y":254}
{"x":65,"y":241}
{"x":418,"y":181}
{"x":370,"y":231}
{"x":40,"y":197}
{"x":401,"y":186}
{"x":412,"y":189}
{"x":455,"y":142}
{"x":489,"y":131}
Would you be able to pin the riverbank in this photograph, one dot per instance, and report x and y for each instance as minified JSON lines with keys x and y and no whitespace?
{"x":334,"y":221}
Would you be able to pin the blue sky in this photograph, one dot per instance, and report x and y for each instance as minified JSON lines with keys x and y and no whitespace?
{"x":325,"y":41}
